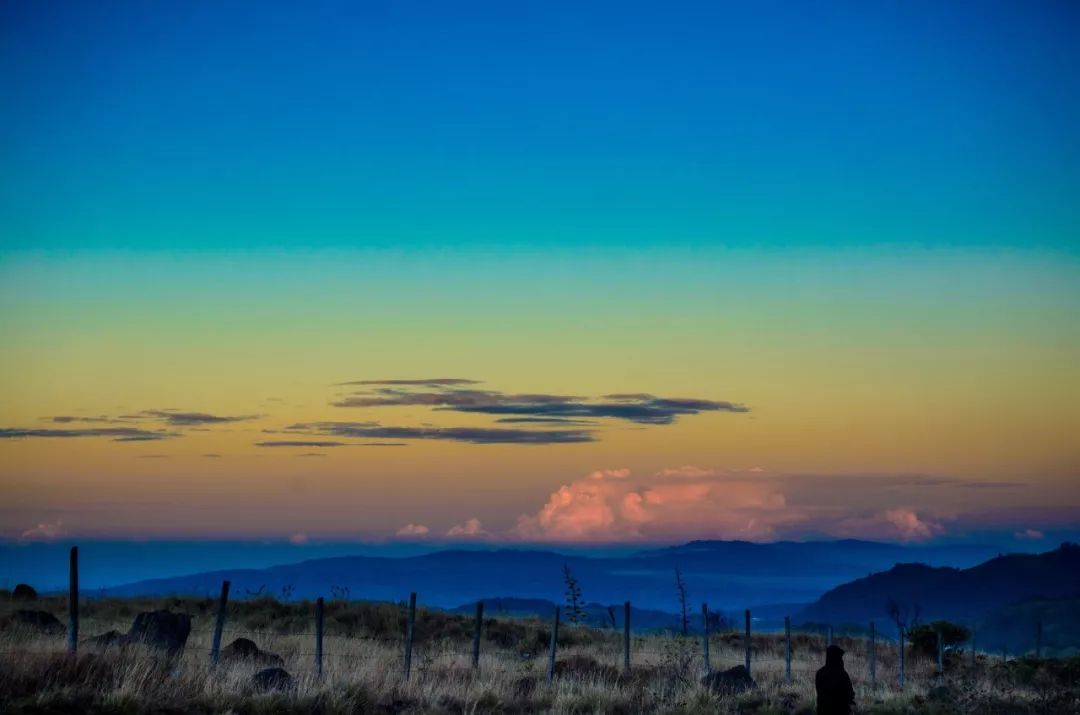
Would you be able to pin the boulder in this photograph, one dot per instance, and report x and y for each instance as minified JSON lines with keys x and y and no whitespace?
{"x":164,"y":630}
{"x":24,"y":592}
{"x":243,"y":650}
{"x":40,"y":621}
{"x":273,"y":679}
{"x":732,"y":680}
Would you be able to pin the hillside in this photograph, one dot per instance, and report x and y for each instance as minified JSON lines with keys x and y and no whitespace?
{"x":961,"y":595}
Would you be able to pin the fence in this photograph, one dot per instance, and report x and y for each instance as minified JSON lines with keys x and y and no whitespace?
{"x":620,"y":651}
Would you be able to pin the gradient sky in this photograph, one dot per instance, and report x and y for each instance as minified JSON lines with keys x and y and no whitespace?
{"x":768,"y":270}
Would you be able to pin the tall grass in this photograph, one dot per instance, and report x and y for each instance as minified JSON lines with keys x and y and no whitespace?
{"x":362,"y":670}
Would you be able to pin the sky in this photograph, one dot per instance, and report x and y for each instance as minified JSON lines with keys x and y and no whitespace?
{"x":539,"y":272}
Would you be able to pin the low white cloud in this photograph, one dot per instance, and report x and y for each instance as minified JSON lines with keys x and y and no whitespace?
{"x":1030,"y":535}
{"x":472,"y":528}
{"x":298,"y":539}
{"x":413,"y":530}
{"x":46,"y":531}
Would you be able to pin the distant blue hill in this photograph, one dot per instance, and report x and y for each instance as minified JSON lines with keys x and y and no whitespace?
{"x":964,"y":595}
{"x":730,"y":575}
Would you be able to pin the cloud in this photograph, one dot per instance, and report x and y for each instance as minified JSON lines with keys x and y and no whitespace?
{"x":119,"y":434}
{"x":545,"y":421}
{"x":613,"y":505}
{"x":910,"y":527}
{"x":638,"y":407}
{"x":300,"y":443}
{"x":69,"y":419}
{"x":1030,"y":535}
{"x":470,"y":529}
{"x":44,"y":531}
{"x":153,"y":456}
{"x":473,"y":435}
{"x":188,"y":419}
{"x":298,"y":539}
{"x":693,"y":502}
{"x":425,"y":382}
{"x":310,"y":454}
{"x":413,"y":530}
{"x":211,"y":455}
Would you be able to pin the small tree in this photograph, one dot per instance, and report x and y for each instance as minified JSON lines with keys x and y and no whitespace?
{"x":575,"y":605}
{"x":680,"y":589}
{"x":923,"y":638}
{"x":905,"y":617}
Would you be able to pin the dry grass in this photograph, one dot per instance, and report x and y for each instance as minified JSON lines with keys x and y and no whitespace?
{"x":363,"y":670}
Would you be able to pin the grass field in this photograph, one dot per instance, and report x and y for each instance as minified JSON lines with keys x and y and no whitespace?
{"x":363,"y":659}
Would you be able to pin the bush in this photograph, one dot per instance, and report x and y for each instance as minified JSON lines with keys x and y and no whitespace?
{"x":923,"y":638}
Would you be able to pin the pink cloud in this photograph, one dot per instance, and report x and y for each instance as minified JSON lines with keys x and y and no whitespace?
{"x":413,"y":530}
{"x":298,"y":539}
{"x":1030,"y":535}
{"x":613,"y":505}
{"x":46,"y":531}
{"x":472,"y":528}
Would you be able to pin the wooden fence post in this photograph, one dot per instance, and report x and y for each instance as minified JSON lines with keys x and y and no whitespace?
{"x":552,"y":646}
{"x":872,"y":655}
{"x":828,"y":636}
{"x":974,"y":660}
{"x":219,"y":624}
{"x":940,"y":653}
{"x":746,"y":638}
{"x":626,"y":638}
{"x":787,"y":649}
{"x":705,"y":637}
{"x":901,"y":657}
{"x":318,"y":636}
{"x":1038,"y":639}
{"x":73,"y":602}
{"x":476,"y":635}
{"x":409,"y":624}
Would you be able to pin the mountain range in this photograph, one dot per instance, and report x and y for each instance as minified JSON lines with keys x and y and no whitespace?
{"x":729,"y":575}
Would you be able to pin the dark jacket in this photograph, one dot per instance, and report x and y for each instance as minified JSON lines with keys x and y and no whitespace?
{"x":835,"y":696}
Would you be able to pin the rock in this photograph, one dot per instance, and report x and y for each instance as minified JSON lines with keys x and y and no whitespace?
{"x":273,"y":679}
{"x":732,"y":680}
{"x":244,"y":650}
{"x":161,"y":629}
{"x":40,"y":621}
{"x":24,"y":592}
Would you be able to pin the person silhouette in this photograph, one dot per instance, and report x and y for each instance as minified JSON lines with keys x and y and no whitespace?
{"x":835,"y":696}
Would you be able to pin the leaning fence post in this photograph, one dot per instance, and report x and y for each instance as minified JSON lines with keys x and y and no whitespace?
{"x":974,"y":659}
{"x":940,"y":653}
{"x":787,"y":649}
{"x":872,"y":655}
{"x":219,"y":624}
{"x":476,"y":635}
{"x":828,"y":636}
{"x":73,"y":602}
{"x":705,"y":637}
{"x":626,"y":638}
{"x":552,"y":646}
{"x":318,"y":636}
{"x":746,"y":638}
{"x":901,"y":657}
{"x":1038,"y":639}
{"x":409,"y":634}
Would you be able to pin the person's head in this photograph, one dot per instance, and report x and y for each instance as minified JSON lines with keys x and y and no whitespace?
{"x":834,"y":655}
